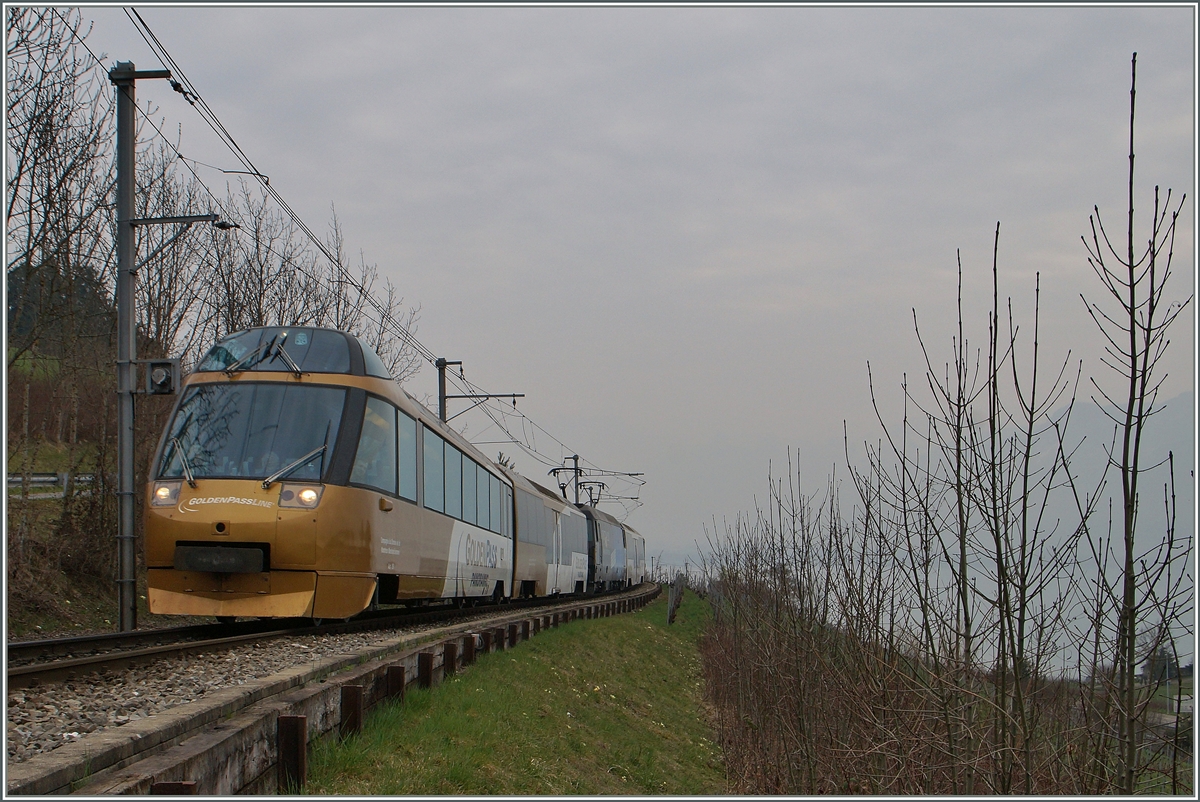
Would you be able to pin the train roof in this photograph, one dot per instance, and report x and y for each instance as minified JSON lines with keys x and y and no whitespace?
{"x":529,"y":486}
{"x":560,"y":503}
{"x":599,"y":515}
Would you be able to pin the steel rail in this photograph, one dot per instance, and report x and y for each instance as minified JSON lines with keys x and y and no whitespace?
{"x":118,"y":650}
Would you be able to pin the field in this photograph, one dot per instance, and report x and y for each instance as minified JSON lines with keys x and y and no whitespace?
{"x":611,"y":706}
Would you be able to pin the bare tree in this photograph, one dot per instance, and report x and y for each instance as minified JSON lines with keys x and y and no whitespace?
{"x":59,"y":126}
{"x":351,"y":303}
{"x":262,"y":273}
{"x":171,"y":282}
{"x":1135,"y":336}
{"x":59,"y":253}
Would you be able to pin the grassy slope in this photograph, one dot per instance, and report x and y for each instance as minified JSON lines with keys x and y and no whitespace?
{"x":610,"y":706}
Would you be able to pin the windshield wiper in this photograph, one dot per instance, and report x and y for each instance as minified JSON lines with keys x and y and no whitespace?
{"x":291,"y":466}
{"x":238,"y":364}
{"x":187,"y":469}
{"x":287,"y":358}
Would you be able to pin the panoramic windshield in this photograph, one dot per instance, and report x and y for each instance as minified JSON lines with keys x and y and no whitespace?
{"x":249,"y":430}
{"x":281,"y":349}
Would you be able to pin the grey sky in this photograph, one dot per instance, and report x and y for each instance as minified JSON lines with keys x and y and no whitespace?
{"x":683,"y":232}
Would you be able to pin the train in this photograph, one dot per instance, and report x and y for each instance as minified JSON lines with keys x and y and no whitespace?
{"x":295,"y":479}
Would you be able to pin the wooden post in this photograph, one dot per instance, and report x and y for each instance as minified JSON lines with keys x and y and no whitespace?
{"x":352,"y":710}
{"x":468,"y":656}
{"x":486,"y":637}
{"x":292,"y":745}
{"x":449,"y":658}
{"x":425,"y":669}
{"x":525,"y":628}
{"x":512,"y":635}
{"x":395,"y":682}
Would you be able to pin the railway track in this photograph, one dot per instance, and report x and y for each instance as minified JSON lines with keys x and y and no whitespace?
{"x":34,"y":663}
{"x":233,"y":719}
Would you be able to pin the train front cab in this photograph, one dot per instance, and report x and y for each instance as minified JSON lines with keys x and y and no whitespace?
{"x":249,"y":481}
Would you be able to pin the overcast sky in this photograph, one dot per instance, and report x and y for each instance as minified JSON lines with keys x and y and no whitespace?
{"x":684,"y":232}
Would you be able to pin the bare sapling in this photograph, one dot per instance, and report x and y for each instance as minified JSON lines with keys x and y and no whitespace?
{"x":1135,"y":336}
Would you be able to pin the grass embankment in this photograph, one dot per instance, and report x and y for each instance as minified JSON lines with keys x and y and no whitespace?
{"x":608,"y":706}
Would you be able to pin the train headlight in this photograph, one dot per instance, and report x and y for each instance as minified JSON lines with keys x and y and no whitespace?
{"x":165,"y":494}
{"x":305,"y":497}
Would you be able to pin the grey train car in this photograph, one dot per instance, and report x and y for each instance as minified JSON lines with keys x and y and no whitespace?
{"x":635,"y":556}
{"x":606,"y":551}
{"x":551,"y":547}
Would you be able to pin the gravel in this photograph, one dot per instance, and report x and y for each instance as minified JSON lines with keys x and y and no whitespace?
{"x":44,"y":718}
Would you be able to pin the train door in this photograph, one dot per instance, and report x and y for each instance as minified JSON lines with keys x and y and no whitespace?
{"x":556,"y":554}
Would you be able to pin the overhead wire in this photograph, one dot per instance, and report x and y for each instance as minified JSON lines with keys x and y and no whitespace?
{"x":183,"y":85}
{"x":196,"y":100}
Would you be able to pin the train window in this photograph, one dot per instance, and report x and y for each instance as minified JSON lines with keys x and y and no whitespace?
{"x":375,"y":462}
{"x":526,"y":512}
{"x":506,"y":521}
{"x":469,"y":475}
{"x":229,"y":350}
{"x":406,"y":434}
{"x":508,"y":513}
{"x":328,"y":352}
{"x":312,"y":350}
{"x":250,"y":429}
{"x":435,"y":498}
{"x":373,"y":364}
{"x":483,"y":509}
{"x":454,"y":463}
{"x":497,"y":510}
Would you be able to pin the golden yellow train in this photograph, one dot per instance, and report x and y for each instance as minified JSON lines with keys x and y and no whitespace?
{"x":296,"y":479}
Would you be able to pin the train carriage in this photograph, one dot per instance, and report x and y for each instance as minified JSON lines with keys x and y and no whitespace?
{"x":295,"y":478}
{"x":566,"y":568}
{"x":606,"y":551}
{"x":551,"y":540}
{"x":635,"y":556}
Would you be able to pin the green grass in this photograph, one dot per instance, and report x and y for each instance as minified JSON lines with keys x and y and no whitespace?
{"x":608,"y":706}
{"x":47,"y":457}
{"x":40,"y":367}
